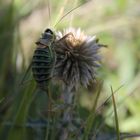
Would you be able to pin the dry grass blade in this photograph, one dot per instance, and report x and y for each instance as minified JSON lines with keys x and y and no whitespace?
{"x":49,"y":12}
{"x":123,"y":136}
{"x":61,"y":11}
{"x":69,"y":13}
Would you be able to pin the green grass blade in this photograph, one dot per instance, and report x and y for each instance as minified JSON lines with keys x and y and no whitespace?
{"x":116,"y":116}
{"x":1,"y":100}
{"x":16,"y":132}
{"x":92,"y":116}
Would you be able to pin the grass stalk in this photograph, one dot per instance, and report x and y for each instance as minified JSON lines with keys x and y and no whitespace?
{"x":116,"y":115}
{"x":92,"y":116}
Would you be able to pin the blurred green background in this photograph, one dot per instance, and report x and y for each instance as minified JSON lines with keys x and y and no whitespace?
{"x":115,"y":23}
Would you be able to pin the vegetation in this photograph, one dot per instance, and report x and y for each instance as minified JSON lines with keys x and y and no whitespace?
{"x":104,"y":110}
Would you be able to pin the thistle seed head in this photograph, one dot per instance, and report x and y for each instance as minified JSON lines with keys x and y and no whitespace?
{"x":77,"y":58}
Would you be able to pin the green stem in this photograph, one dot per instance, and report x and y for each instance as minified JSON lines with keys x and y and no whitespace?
{"x":116,"y":116}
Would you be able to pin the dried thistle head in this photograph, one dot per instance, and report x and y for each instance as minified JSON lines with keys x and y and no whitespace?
{"x":77,"y":57}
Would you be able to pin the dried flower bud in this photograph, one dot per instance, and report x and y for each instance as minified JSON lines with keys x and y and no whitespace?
{"x":77,"y":57}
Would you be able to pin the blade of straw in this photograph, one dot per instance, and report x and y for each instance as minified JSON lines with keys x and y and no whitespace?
{"x":49,"y":12}
{"x":69,"y":13}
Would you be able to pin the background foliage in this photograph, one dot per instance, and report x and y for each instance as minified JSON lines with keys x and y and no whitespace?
{"x":115,"y":23}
